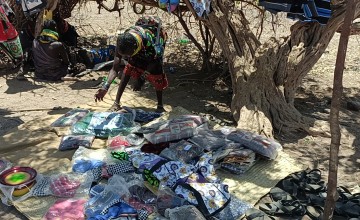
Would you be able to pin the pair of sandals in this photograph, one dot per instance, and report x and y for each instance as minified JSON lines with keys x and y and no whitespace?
{"x":283,"y":205}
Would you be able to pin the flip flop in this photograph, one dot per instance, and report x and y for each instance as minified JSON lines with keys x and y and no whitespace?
{"x":344,"y":193}
{"x":317,"y":199}
{"x":277,"y":194}
{"x":289,"y":186}
{"x":314,"y":176}
{"x":315,"y":212}
{"x":348,"y":209}
{"x":256,"y":214}
{"x":283,"y":208}
{"x":313,"y":187}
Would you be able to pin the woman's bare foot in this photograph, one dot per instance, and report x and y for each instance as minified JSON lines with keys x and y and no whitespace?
{"x":115,"y":108}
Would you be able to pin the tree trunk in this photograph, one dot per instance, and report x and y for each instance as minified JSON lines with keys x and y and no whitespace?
{"x":265,"y":76}
{"x":334,"y":112}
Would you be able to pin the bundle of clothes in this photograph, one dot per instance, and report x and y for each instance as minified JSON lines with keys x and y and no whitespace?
{"x":167,"y":168}
{"x":304,"y":10}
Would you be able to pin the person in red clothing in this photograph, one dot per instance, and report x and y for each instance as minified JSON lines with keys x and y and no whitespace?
{"x":143,"y":46}
{"x":9,"y":37}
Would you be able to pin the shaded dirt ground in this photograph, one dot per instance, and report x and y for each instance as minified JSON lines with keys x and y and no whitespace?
{"x":21,"y":101}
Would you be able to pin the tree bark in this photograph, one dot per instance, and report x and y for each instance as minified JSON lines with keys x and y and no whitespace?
{"x":265,"y":76}
{"x":334,"y":111}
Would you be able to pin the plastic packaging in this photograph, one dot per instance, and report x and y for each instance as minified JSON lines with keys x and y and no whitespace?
{"x":260,"y":144}
{"x":134,"y":139}
{"x":4,"y":165}
{"x":85,"y":159}
{"x":184,"y":213}
{"x":70,"y":142}
{"x":182,"y":151}
{"x":66,"y":209}
{"x":167,"y":199}
{"x":170,"y":131}
{"x":235,"y":158}
{"x":234,"y":210}
{"x":70,"y":118}
{"x":209,"y":139}
{"x":104,"y":124}
{"x":117,"y":142}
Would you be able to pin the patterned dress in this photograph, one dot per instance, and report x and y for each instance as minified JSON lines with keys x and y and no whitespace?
{"x":149,"y":60}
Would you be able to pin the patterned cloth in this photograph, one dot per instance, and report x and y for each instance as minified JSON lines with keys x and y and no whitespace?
{"x":201,"y":7}
{"x":304,"y":10}
{"x":210,"y":198}
{"x":119,"y":168}
{"x":64,"y":187}
{"x":172,"y":171}
{"x":42,"y":188}
{"x":122,"y":156}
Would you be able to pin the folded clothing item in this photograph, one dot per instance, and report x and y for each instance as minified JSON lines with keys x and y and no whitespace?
{"x":183,"y":151}
{"x":70,"y":142}
{"x":235,"y":158}
{"x":62,"y":186}
{"x":66,"y":209}
{"x":82,"y":165}
{"x":259,"y":144}
{"x":208,"y":139}
{"x":171,"y":130}
{"x":70,"y":118}
{"x":104,"y":124}
{"x":117,"y":141}
{"x":142,"y":116}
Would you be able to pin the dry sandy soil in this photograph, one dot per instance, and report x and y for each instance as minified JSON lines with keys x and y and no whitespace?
{"x":23,"y":100}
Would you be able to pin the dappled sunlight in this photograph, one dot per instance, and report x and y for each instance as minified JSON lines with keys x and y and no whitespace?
{"x":265,"y":174}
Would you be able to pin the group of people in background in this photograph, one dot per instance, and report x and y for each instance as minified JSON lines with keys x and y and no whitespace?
{"x":141,"y":47}
{"x":48,"y":53}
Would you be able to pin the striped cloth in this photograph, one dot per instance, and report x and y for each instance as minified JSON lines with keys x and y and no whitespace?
{"x":304,"y":10}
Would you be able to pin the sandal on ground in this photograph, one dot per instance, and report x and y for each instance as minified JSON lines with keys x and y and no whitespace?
{"x":255,"y":214}
{"x":283,"y":208}
{"x":344,"y":193}
{"x":315,"y":212}
{"x":317,"y":199}
{"x":348,"y":209}
{"x":277,"y":194}
{"x":307,"y":176}
{"x":313,"y":187}
{"x":289,"y":186}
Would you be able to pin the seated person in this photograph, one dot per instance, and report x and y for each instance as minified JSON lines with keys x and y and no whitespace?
{"x":50,"y":57}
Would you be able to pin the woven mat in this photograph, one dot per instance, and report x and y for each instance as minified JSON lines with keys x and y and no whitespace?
{"x":35,"y":207}
{"x":263,"y":176}
{"x":36,"y":145}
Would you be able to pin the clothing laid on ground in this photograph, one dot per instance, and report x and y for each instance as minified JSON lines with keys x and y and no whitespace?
{"x":149,"y":58}
{"x":304,"y":10}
